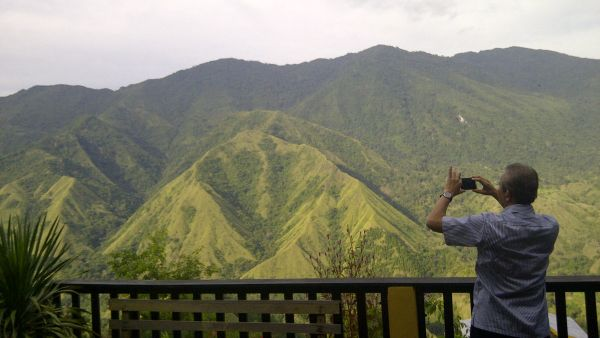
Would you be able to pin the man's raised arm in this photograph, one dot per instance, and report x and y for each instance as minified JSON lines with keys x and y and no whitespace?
{"x":451,"y":189}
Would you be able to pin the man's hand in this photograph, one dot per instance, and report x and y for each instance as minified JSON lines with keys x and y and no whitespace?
{"x":488,"y":189}
{"x":453,"y":185}
{"x":453,"y":182}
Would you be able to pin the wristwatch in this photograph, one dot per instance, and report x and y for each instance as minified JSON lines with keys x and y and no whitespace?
{"x":447,"y":194}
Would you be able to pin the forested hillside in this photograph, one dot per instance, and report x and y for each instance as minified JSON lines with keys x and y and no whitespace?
{"x":252,"y":165}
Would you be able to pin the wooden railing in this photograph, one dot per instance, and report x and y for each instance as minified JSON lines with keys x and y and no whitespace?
{"x":94,"y":291}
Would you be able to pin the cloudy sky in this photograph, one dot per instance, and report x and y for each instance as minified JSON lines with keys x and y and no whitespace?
{"x":113,"y":43}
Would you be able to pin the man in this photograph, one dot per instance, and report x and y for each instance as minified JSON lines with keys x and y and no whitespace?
{"x":513,"y":248}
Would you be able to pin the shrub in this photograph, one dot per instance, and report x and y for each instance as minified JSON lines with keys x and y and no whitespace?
{"x":151,"y":262}
{"x":350,"y":260}
{"x":31,"y":255}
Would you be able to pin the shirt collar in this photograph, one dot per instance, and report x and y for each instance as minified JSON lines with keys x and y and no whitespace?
{"x":519,"y":209}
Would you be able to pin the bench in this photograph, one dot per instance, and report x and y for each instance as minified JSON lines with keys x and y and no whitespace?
{"x":126,"y":320}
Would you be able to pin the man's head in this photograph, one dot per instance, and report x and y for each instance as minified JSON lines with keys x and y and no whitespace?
{"x":519,"y":183}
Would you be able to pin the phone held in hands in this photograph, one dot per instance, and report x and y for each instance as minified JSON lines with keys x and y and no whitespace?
{"x":468,"y":184}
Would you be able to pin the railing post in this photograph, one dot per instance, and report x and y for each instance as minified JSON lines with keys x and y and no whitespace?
{"x":311,"y":317}
{"x":561,"y":314}
{"x":338,"y":318}
{"x":265,"y":317}
{"x":448,"y":315}
{"x":134,"y":315}
{"x":155,"y":316}
{"x":421,"y":312}
{"x":471,"y":301}
{"x":289,"y":317}
{"x":56,"y":300}
{"x":220,"y":316}
{"x":95,"y":303}
{"x":114,"y":315}
{"x":242,"y":317}
{"x":361,"y":307}
{"x":197,"y":316}
{"x":76,"y":303}
{"x":176,"y":316}
{"x":591,"y":315}
{"x":385,"y":317}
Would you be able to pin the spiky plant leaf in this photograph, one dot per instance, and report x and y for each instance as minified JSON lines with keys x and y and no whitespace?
{"x":31,"y":255}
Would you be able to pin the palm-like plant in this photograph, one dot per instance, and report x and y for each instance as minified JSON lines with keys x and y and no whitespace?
{"x":31,"y":254}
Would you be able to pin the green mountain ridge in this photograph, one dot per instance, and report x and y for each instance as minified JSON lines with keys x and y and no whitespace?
{"x":227,"y":200}
{"x":384,"y":124}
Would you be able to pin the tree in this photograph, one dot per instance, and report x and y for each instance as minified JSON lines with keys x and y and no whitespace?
{"x":31,"y":255}
{"x":151,"y":262}
{"x":350,"y":260}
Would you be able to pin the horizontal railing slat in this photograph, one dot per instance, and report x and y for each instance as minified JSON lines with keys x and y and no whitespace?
{"x":227,"y":306}
{"x":165,"y":325}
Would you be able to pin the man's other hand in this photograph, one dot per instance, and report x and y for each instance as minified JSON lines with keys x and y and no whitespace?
{"x":488,"y":187}
{"x":453,"y":182}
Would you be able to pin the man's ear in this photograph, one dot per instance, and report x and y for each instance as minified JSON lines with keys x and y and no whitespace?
{"x":507,"y":196}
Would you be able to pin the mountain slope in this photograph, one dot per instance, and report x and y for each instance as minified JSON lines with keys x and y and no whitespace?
{"x":384,"y":123}
{"x":260,"y":199}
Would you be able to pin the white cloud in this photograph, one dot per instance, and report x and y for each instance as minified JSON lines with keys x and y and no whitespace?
{"x":109,"y":43}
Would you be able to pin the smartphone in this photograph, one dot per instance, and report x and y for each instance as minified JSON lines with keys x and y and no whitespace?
{"x":468,"y":184}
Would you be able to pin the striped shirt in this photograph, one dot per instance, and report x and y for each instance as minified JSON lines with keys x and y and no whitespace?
{"x":513,"y":248}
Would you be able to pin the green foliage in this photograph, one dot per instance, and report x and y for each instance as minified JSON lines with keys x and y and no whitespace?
{"x":434,"y":312}
{"x":384,"y":116}
{"x":151,"y":262}
{"x":350,"y":260}
{"x":31,"y":255}
{"x":344,"y":257}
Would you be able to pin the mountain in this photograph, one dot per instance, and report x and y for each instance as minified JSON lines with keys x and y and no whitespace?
{"x":252,"y":164}
{"x":263,"y":202}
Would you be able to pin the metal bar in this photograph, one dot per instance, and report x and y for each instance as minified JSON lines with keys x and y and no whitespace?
{"x":385,"y":318}
{"x":95,"y":300}
{"x":155,"y":316}
{"x":448,"y":315}
{"x":265,"y":317}
{"x":242,"y":317}
{"x":561,"y":314}
{"x":176,"y":316}
{"x":289,"y":317}
{"x":76,"y":303}
{"x":197,"y":316}
{"x":591,"y":315}
{"x":421,"y":312}
{"x":361,"y":307}
{"x":220,"y":316}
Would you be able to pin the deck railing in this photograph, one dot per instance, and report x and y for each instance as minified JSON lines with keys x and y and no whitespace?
{"x":95,"y":290}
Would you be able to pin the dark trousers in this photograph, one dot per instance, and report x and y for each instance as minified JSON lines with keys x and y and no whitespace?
{"x":479,"y":333}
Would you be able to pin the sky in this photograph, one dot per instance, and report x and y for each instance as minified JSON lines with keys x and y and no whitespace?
{"x":114,"y":43}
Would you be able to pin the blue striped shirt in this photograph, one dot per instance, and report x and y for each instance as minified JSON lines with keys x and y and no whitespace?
{"x":513,"y":248}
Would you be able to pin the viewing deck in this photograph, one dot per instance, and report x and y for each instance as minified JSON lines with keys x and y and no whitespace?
{"x":362,"y":289}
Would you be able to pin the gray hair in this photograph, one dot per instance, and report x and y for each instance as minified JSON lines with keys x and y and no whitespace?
{"x":522,"y":182}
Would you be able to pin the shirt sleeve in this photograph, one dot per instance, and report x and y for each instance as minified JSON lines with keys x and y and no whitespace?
{"x":463,"y":231}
